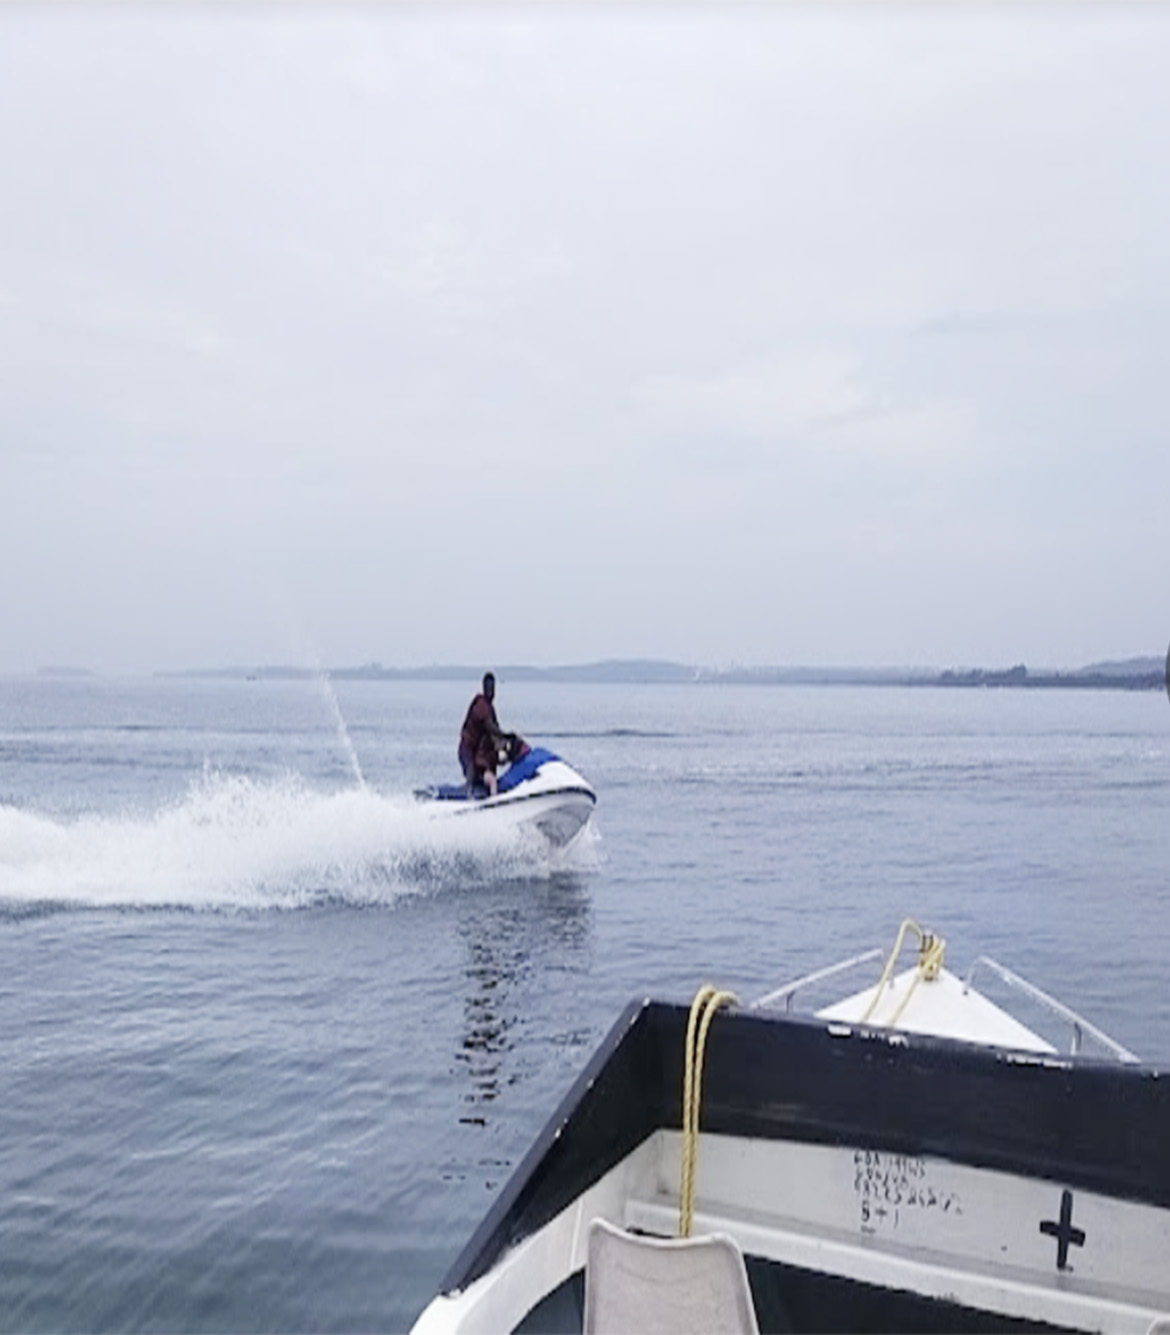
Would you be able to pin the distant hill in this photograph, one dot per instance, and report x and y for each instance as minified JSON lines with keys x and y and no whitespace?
{"x":1103,"y":677}
{"x":632,"y":671}
{"x":815,"y":676}
{"x":1123,"y":674}
{"x":1126,"y":667}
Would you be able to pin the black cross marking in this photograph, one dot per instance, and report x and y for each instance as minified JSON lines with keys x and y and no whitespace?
{"x":1064,"y":1233}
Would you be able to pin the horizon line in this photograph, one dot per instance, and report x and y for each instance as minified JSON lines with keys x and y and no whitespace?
{"x":644,"y":668}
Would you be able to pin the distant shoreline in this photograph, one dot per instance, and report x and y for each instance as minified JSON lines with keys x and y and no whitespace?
{"x":1144,"y":674}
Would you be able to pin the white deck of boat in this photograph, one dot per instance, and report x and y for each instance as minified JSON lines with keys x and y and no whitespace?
{"x":943,"y":1007}
{"x":966,"y":1235}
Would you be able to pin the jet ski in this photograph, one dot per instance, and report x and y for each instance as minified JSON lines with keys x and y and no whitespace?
{"x":538,"y":790}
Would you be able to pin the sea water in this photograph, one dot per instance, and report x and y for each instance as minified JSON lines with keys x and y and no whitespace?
{"x":271,"y":1039}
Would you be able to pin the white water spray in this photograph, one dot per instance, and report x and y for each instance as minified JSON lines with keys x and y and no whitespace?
{"x":308,"y":652}
{"x":342,"y":731}
{"x":239,"y":843}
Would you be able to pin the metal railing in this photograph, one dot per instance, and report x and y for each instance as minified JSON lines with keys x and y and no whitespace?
{"x":1080,"y":1026}
{"x":789,"y":990}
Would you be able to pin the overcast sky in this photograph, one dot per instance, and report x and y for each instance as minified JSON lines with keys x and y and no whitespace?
{"x":770,"y":334}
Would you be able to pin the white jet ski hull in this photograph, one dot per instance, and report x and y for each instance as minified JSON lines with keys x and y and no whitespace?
{"x":555,"y":802}
{"x":558,"y":816}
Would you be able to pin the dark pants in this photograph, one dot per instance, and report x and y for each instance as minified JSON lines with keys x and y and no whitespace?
{"x":475,"y":764}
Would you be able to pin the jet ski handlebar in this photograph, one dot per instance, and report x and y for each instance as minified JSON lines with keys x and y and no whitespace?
{"x":512,"y":748}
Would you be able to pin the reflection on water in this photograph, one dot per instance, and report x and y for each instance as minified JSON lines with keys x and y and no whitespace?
{"x":514,"y":938}
{"x":491,"y":971}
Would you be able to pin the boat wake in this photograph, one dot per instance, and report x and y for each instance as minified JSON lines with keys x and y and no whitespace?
{"x":234,"y":843}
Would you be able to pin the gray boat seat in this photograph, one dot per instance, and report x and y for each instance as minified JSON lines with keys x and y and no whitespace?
{"x":665,"y":1286}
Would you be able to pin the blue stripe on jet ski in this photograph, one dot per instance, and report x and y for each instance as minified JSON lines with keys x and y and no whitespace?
{"x":524,"y":768}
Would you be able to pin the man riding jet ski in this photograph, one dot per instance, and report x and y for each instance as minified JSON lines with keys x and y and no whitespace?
{"x":481,"y":743}
{"x":537,"y":789}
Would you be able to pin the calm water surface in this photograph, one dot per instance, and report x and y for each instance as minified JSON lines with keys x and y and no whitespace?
{"x":270,"y":1041}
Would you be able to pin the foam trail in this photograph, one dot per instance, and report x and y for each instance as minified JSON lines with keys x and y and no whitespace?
{"x":237,"y":843}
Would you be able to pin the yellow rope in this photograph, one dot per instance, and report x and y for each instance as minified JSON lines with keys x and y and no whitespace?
{"x":707,"y":1001}
{"x":931,"y":950}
